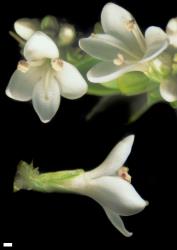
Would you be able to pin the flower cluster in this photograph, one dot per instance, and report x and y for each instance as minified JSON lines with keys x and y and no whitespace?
{"x":44,"y":76}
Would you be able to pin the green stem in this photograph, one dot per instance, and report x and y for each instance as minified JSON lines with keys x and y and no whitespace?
{"x":17,"y":38}
{"x":152,"y":98}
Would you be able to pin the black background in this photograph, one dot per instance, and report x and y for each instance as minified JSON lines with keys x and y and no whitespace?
{"x":61,"y":221}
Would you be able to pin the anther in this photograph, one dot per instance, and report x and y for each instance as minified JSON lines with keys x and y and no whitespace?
{"x":57,"y":64}
{"x":123,"y":173}
{"x":23,"y":66}
{"x":130,"y":24}
{"x":119,"y":60}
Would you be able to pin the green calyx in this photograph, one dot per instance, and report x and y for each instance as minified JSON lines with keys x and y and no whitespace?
{"x":29,"y":178}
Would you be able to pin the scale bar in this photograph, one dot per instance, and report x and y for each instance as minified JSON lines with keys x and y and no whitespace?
{"x":5,"y":244}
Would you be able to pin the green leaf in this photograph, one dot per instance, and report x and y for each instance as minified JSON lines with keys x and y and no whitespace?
{"x":85,"y":63}
{"x":112,"y":84}
{"x":135,"y":83}
{"x":99,"y":90}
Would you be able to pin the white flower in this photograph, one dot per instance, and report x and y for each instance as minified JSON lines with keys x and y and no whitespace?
{"x":123,"y":47}
{"x":171,"y":30}
{"x":109,"y":184}
{"x":43,"y":77}
{"x":26,"y":27}
{"x":168,"y":89}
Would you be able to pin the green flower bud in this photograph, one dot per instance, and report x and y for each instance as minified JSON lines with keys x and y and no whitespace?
{"x":66,"y":35}
{"x":98,"y":28}
{"x":49,"y":23}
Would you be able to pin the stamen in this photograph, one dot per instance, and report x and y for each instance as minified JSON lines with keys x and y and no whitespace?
{"x":57,"y":64}
{"x":119,"y":60}
{"x":123,"y":173}
{"x":47,"y":80}
{"x":23,"y":66}
{"x":132,"y":27}
{"x":130,"y":24}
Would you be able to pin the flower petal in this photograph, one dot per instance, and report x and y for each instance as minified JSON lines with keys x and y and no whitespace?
{"x":116,"y":194}
{"x":21,"y":84}
{"x":46,"y":99}
{"x":107,"y":71}
{"x":25,"y":27}
{"x":115,"y":159}
{"x":172,"y":31}
{"x":172,"y":26}
{"x":72,"y":84}
{"x":116,"y":220}
{"x":168,"y":89}
{"x":116,"y":21}
{"x":40,"y":46}
{"x":105,"y":47}
{"x":156,"y":41}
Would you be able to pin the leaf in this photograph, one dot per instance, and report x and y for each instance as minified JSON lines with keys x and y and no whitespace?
{"x":85,"y":63}
{"x":99,"y":90}
{"x":112,"y":84}
{"x":135,"y":83}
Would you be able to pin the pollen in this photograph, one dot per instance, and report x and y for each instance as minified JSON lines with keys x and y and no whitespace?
{"x":23,"y":66}
{"x":57,"y":64}
{"x":123,"y":173}
{"x":119,"y":60}
{"x":130,"y":24}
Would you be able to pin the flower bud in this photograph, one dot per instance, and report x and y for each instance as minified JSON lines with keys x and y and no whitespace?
{"x":66,"y":35}
{"x":50,"y":23}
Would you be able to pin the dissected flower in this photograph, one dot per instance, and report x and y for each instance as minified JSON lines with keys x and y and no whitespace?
{"x":109,"y":184}
{"x":122,"y":48}
{"x":43,"y":77}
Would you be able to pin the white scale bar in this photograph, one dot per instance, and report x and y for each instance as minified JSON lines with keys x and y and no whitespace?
{"x":7,"y":244}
